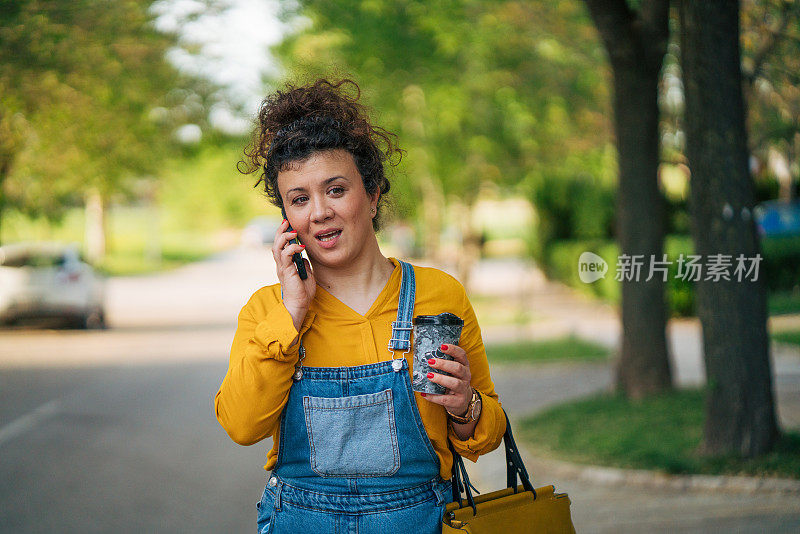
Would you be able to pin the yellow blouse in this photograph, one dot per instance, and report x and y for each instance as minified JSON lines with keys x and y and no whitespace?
{"x":255,"y":388}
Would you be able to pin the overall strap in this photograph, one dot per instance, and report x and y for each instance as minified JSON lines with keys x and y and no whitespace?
{"x":298,"y":371}
{"x":401,"y":328}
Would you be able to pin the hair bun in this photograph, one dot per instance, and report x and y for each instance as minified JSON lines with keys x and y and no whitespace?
{"x":309,"y":121}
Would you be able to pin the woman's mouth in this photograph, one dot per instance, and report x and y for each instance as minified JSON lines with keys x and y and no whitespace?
{"x":329,"y":240}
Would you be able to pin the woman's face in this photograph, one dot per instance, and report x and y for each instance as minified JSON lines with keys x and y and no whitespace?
{"x":325,"y":193}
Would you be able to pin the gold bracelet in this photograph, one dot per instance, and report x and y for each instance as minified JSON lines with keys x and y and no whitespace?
{"x":469,"y":415}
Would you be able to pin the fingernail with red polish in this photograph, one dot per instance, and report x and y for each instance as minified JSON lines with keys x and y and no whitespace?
{"x":423,"y":394}
{"x":302,"y":246}
{"x":430,"y":375}
{"x":443,"y":347}
{"x":431,"y":361}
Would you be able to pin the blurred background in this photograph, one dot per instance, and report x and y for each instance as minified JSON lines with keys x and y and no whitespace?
{"x":129,"y":242}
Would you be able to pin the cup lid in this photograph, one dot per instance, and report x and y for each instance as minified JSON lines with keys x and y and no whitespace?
{"x":445,"y":318}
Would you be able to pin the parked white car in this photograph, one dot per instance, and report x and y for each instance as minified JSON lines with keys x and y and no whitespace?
{"x":50,"y":280}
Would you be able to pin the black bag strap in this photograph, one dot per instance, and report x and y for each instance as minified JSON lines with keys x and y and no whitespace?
{"x":514,"y":464}
{"x":461,"y":481}
{"x":514,"y":468}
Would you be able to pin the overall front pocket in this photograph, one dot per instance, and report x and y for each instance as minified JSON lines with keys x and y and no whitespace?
{"x":352,"y":436}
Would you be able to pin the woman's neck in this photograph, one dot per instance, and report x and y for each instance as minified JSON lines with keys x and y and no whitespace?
{"x":366,"y":275}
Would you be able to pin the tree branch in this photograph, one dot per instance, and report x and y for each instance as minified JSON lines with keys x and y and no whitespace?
{"x":788,"y":11}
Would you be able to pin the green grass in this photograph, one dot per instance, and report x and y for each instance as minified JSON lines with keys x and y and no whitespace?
{"x":134,"y":236}
{"x":131,"y":257}
{"x":660,"y":433}
{"x":783,"y":302}
{"x":492,"y":311}
{"x":789,"y":336}
{"x":562,"y":349}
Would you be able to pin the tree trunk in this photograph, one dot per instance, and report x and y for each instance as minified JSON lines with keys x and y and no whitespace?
{"x":95,"y":227}
{"x":740,"y":415}
{"x":470,"y":251}
{"x":432,"y":207}
{"x":3,"y":173}
{"x":9,"y":143}
{"x":636,"y":42}
{"x":643,"y":367}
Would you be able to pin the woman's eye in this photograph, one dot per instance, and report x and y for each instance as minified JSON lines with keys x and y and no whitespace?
{"x":335,"y":190}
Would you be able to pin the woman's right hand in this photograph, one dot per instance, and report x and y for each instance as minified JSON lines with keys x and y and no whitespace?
{"x":297,"y":293}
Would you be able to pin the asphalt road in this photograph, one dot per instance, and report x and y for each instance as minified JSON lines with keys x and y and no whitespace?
{"x":113,"y":431}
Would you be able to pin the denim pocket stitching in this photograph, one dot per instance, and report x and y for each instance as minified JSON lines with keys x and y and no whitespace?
{"x":349,"y":403}
{"x":418,"y":424}
{"x":261,"y":505}
{"x":353,"y":401}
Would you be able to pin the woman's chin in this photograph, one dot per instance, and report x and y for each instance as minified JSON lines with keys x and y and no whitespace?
{"x":330,"y":257}
{"x":336,"y":257}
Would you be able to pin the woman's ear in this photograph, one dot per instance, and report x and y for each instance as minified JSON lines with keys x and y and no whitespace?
{"x":373,"y":199}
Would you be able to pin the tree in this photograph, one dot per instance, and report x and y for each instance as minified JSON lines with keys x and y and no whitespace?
{"x":771,"y":69}
{"x":522,"y":97}
{"x":740,"y":415}
{"x":636,"y":42}
{"x":86,"y":103}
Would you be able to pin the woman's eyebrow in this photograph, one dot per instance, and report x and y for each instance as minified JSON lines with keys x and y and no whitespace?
{"x":326,"y":182}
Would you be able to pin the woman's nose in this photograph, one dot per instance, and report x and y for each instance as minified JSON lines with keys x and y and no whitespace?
{"x":320,"y":210}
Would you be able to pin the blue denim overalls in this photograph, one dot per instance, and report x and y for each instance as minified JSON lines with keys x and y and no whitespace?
{"x":353,"y":455}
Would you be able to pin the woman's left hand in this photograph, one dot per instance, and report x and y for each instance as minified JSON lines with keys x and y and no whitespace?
{"x":459,"y":387}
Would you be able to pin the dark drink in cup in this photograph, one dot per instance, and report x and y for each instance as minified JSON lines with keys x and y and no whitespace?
{"x":430,"y":332}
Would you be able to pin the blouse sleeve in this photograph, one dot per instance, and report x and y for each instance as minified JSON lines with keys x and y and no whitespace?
{"x":491,"y":425}
{"x":256,"y":386}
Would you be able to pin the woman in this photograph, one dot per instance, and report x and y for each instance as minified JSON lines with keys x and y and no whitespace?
{"x":354,"y":448}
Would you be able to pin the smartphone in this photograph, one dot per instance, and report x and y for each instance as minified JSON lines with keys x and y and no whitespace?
{"x":297,"y":258}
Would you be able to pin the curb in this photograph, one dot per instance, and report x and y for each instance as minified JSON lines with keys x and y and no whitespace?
{"x":616,"y":476}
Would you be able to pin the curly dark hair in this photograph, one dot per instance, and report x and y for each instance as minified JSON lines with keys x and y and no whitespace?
{"x":298,"y":121}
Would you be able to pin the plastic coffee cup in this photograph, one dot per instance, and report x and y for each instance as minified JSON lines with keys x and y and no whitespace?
{"x":430,"y":332}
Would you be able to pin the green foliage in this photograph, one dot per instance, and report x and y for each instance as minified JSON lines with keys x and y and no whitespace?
{"x":780,"y":268}
{"x":781,"y":262}
{"x":661,"y":432}
{"x":783,"y":302}
{"x":770,"y":41}
{"x":766,"y":188}
{"x":88,"y":102}
{"x":770,"y":50}
{"x":561,"y":263}
{"x":569,"y":348}
{"x":572,"y":208}
{"x":204,"y":191}
{"x":525,"y":94}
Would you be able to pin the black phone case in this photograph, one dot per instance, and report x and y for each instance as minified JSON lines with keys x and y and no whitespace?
{"x":297,"y":258}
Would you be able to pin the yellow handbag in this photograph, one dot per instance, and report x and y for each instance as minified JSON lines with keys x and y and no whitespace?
{"x":516,"y":509}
